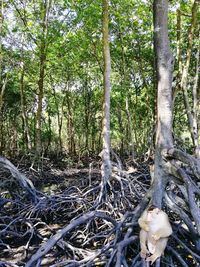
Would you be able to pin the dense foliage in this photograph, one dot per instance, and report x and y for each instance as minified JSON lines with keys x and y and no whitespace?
{"x":70,"y":52}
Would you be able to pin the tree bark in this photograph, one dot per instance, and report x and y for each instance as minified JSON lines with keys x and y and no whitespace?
{"x":87,"y":99}
{"x":25,"y":129}
{"x":43,"y":57}
{"x":2,"y":92}
{"x":1,"y":27}
{"x":2,"y":83}
{"x":164,"y":67}
{"x":70,"y":125}
{"x":179,"y":50}
{"x":59,"y":119}
{"x":106,"y":164}
{"x":13,"y":144}
{"x":178,"y":53}
{"x":183,"y":83}
{"x":195,"y":108}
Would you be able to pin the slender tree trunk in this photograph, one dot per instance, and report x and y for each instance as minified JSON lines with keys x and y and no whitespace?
{"x":87,"y":113}
{"x":1,"y":26}
{"x":125,"y":85}
{"x":195,"y":111}
{"x":25,"y":128}
{"x":184,"y":79}
{"x":2,"y":92}
{"x":131,"y":145}
{"x":59,"y":119}
{"x":121,"y":129}
{"x":2,"y":83}
{"x":70,"y":127}
{"x":49,"y":134}
{"x":106,"y":164}
{"x":43,"y":57}
{"x":14,"y":137}
{"x":164,"y":68}
{"x":178,"y":54}
{"x":60,"y":124}
{"x":179,"y":50}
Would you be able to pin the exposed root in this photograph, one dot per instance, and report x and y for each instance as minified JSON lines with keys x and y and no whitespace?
{"x":23,"y":181}
{"x":69,"y":229}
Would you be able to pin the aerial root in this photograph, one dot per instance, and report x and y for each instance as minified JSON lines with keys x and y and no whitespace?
{"x":71,"y":231}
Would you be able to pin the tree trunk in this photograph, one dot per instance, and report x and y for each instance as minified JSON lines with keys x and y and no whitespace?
{"x":130,"y":139}
{"x":179,"y":40}
{"x":43,"y":57}
{"x":13,"y":145}
{"x":87,"y":98}
{"x":1,"y":26}
{"x":164,"y":67}
{"x":125,"y":85}
{"x":183,"y":84}
{"x":70,"y":126}
{"x":25,"y":129}
{"x":2,"y":83}
{"x":106,"y":164}
{"x":49,"y":138}
{"x":2,"y":92}
{"x":59,"y":119}
{"x":176,"y":89}
{"x":195,"y":111}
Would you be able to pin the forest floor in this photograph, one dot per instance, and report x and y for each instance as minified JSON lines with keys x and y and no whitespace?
{"x":53,"y":217}
{"x":25,"y":226}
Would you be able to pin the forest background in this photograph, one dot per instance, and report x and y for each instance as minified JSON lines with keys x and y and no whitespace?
{"x":51,"y":101}
{"x":52,"y":77}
